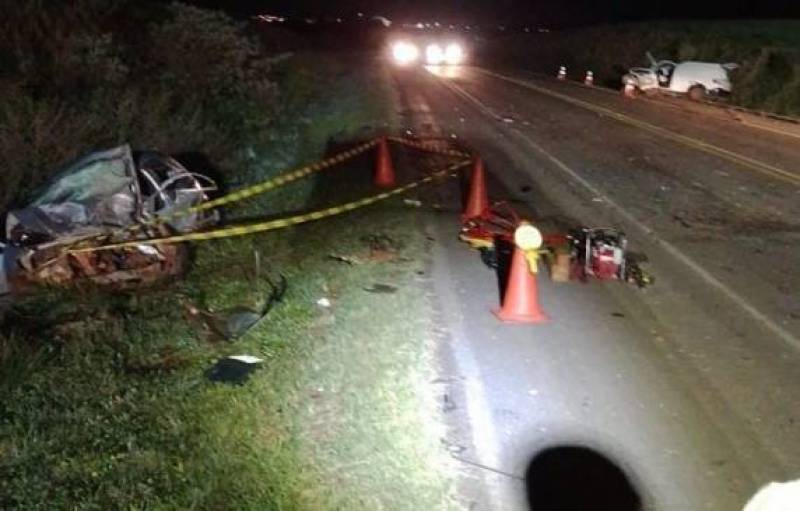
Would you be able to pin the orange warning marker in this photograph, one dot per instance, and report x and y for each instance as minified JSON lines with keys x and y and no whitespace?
{"x":478,"y":199}
{"x":521,"y":300}
{"x":589,"y":80}
{"x":384,"y":170}
{"x":562,"y":73}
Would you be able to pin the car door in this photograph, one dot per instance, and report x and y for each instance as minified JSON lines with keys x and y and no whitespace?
{"x":664,"y":73}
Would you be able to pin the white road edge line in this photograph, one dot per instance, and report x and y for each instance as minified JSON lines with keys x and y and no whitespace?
{"x":671,"y":249}
{"x":482,"y":431}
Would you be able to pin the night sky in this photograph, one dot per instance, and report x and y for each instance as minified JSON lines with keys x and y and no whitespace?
{"x":563,"y":12}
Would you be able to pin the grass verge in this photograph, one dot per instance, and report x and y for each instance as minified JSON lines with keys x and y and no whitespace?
{"x":105,"y":404}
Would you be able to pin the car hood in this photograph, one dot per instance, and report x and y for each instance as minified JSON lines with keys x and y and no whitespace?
{"x":95,"y":192}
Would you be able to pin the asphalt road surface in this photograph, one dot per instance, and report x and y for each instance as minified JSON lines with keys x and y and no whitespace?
{"x":689,"y":387}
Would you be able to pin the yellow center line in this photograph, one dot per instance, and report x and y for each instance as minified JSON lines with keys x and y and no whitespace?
{"x":739,"y":159}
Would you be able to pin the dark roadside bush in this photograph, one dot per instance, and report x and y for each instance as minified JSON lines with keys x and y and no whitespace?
{"x":77,"y":76}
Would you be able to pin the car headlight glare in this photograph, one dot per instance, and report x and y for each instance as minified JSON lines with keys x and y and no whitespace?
{"x":404,"y":52}
{"x":454,"y":54}
{"x":434,"y":54}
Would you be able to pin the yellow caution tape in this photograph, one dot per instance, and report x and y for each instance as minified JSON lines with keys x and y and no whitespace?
{"x":258,"y":189}
{"x":284,"y":179}
{"x":229,"y":232}
{"x":428,"y":146}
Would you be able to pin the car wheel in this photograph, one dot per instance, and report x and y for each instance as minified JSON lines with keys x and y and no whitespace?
{"x":697,"y":93}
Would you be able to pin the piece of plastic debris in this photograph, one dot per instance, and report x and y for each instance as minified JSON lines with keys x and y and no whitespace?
{"x":238,"y":322}
{"x":147,"y":250}
{"x":230,"y":324}
{"x":235,"y":369}
{"x":351,"y":260}
{"x":247,"y":359}
{"x":412,"y":202}
{"x":508,"y":120}
{"x":324,"y":302}
{"x":381,"y":288}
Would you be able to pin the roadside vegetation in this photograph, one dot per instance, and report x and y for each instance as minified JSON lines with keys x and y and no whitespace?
{"x":767,"y":51}
{"x":104,"y":399}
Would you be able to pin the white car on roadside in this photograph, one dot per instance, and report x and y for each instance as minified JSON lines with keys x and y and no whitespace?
{"x":695,"y":79}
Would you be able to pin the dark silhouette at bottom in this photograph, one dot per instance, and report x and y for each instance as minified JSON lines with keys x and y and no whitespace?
{"x":573,"y":478}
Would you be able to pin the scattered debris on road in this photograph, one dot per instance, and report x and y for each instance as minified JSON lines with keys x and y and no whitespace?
{"x":581,"y":253}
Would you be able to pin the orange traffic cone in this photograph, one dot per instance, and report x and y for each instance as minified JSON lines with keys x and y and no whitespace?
{"x":521,"y":301}
{"x":478,"y":199}
{"x":562,"y":73}
{"x":384,"y":170}
{"x":589,"y":80}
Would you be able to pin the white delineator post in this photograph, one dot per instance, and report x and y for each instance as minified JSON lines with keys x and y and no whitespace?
{"x":629,"y":90}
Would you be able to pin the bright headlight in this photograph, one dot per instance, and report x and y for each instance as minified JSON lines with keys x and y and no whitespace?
{"x":404,"y":53}
{"x":434,"y":54}
{"x":454,"y":54}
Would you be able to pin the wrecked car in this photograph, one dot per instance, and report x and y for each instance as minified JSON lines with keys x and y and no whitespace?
{"x":97,"y":198}
{"x":697,"y":80}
